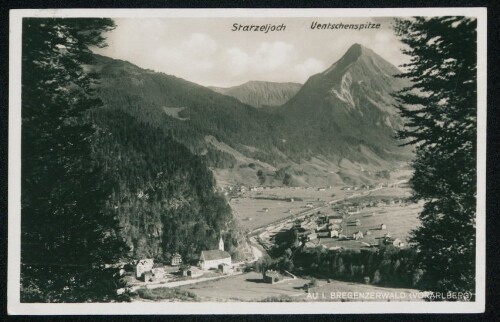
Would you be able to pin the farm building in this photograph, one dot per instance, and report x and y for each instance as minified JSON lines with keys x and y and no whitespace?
{"x":358,"y":222}
{"x":265,"y":209}
{"x":353,"y":211}
{"x":143,"y":266}
{"x":271,"y":276}
{"x":309,"y":225}
{"x":194,"y":272}
{"x":334,"y":219}
{"x":383,"y":227}
{"x":368,"y":233}
{"x":176,"y":259}
{"x":358,"y":235}
{"x":323,"y":234}
{"x":334,"y":233}
{"x":312,"y":236}
{"x":334,"y":227}
{"x":398,"y":243}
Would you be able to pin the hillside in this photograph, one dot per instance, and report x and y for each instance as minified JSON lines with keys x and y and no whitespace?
{"x":261,"y":94}
{"x":163,"y":196}
{"x":338,"y":129}
{"x":187,"y":111}
{"x":348,"y":110}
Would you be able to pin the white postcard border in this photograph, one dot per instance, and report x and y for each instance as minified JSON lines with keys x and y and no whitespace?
{"x":14,"y":167}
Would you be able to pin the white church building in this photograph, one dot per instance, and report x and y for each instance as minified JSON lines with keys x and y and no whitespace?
{"x":213,"y":258}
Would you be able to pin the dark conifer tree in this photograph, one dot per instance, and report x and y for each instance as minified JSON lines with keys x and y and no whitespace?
{"x":440,"y":110}
{"x":66,"y":237}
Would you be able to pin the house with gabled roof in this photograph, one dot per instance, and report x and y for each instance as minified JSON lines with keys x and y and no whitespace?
{"x":143,"y":266}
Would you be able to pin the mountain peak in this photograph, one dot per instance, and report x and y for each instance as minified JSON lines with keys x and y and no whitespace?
{"x":359,"y":53}
{"x":356,"y":49}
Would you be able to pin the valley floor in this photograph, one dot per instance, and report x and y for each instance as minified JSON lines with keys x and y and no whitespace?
{"x":250,"y":287}
{"x":265,"y":212}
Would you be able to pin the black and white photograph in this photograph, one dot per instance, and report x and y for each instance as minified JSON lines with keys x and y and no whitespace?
{"x":247,"y":161}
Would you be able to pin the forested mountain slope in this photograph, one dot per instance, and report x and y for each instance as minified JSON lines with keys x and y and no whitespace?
{"x":163,"y":195}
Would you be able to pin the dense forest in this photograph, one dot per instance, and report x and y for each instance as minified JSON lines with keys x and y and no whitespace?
{"x":163,"y":195}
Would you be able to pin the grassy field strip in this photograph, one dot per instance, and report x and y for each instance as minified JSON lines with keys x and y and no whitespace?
{"x":181,"y":283}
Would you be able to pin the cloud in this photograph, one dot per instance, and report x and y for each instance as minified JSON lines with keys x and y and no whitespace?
{"x":200,"y":43}
{"x":268,"y":58}
{"x":238,"y":61}
{"x":191,"y":55}
{"x":207,"y":52}
{"x":309,"y":67}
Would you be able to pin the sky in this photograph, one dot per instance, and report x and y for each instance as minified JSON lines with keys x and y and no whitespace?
{"x":206,"y":51}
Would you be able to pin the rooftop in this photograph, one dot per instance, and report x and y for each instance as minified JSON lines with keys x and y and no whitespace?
{"x":213,"y":254}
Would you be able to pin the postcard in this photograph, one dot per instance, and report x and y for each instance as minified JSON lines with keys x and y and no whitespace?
{"x":247,"y":161}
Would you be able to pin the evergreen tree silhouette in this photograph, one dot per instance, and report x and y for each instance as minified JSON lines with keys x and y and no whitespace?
{"x":66,"y":237}
{"x":440,"y":109}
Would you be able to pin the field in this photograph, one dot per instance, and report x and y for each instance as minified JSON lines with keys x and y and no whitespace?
{"x":245,"y":287}
{"x":253,"y":212}
{"x":249,"y":207}
{"x":249,"y":287}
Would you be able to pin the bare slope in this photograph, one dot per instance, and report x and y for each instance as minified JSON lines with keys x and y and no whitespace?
{"x":260,"y":94}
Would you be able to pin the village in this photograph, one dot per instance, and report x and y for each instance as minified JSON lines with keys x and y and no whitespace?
{"x":333,"y":218}
{"x":349,"y":225}
{"x":213,"y":264}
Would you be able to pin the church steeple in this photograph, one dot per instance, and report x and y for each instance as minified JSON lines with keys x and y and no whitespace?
{"x":221,"y":244}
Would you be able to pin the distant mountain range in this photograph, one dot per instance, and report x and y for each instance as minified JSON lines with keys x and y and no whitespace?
{"x":261,"y":94}
{"x":337,"y":128}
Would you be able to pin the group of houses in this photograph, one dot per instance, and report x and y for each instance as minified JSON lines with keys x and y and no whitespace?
{"x":311,"y":228}
{"x":147,"y":271}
